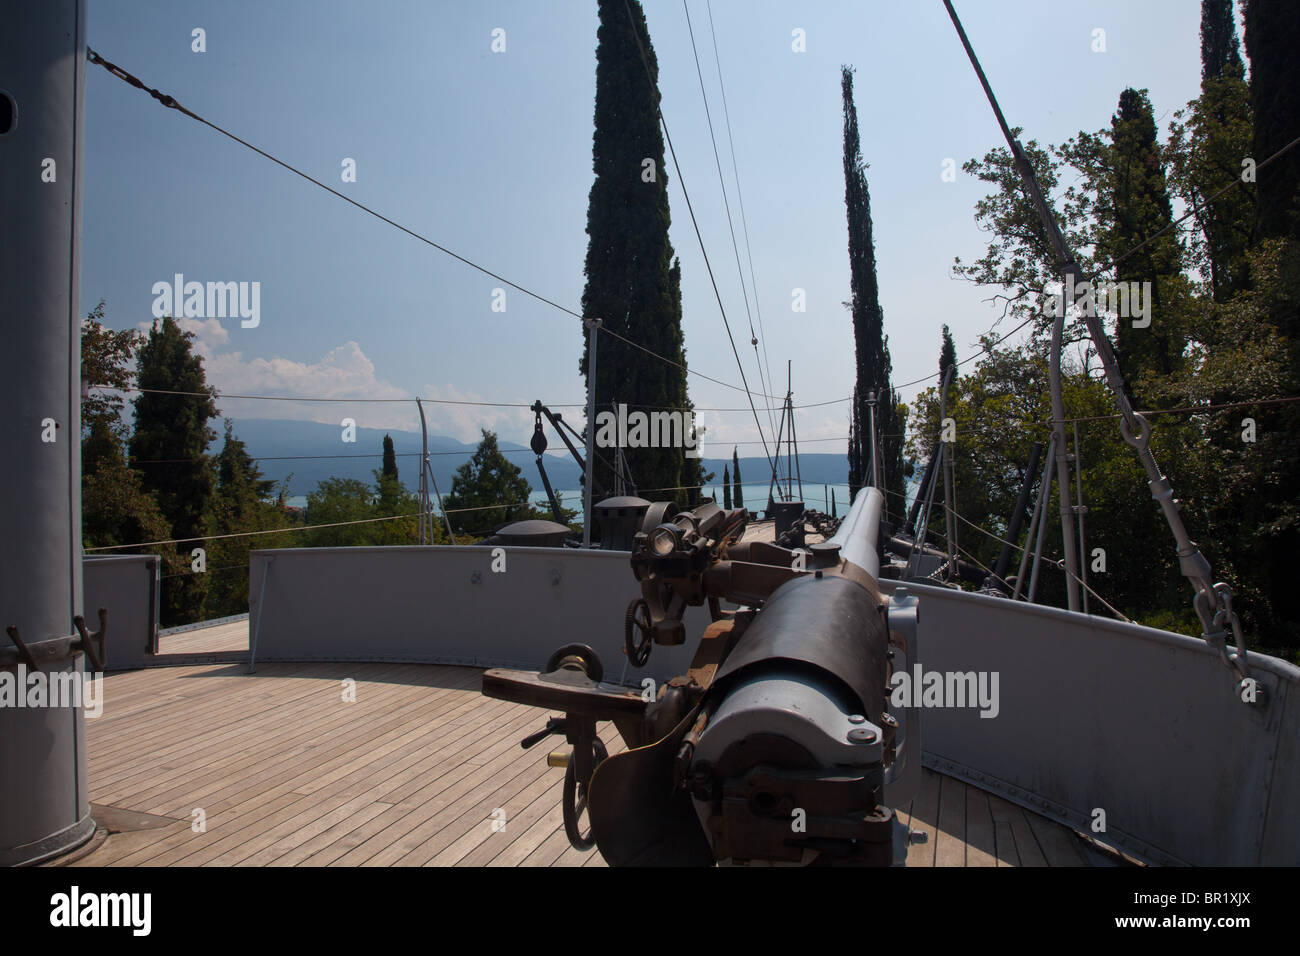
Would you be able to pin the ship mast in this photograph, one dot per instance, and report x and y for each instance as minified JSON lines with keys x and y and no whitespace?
{"x":46,"y":811}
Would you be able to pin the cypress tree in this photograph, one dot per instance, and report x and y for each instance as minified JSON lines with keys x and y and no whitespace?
{"x":874,"y":367}
{"x":947,"y":355}
{"x":387,"y":484}
{"x":726,"y":487}
{"x":855,"y":448}
{"x":1220,"y":53}
{"x":633,"y":281}
{"x":737,"y":492}
{"x":1220,"y":130}
{"x":1272,"y":38}
{"x":390,"y":459}
{"x":1141,"y":208}
{"x":238,"y":476}
{"x":172,"y":435}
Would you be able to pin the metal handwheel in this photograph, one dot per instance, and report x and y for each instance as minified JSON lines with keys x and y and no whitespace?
{"x":577,"y":780}
{"x":637,"y":641}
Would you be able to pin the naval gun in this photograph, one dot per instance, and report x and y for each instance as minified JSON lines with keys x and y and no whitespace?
{"x":779,"y":744}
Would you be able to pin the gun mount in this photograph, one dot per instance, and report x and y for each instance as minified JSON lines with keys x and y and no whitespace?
{"x":778,"y":744}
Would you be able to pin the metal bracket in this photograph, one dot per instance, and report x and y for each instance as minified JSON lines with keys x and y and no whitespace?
{"x":87,"y":642}
{"x":23,"y":651}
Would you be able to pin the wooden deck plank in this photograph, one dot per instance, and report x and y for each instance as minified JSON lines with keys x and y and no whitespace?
{"x":232,"y":636}
{"x":244,"y":805}
{"x":1027,"y":849}
{"x":429,"y":774}
{"x":309,"y":807}
{"x":473,"y":811}
{"x":1057,"y":843}
{"x":249,"y":829}
{"x":1005,"y":841}
{"x":522,"y":846}
{"x":924,"y":818}
{"x":467,"y":841}
{"x":479,"y":842}
{"x":278,"y":731}
{"x":431,"y":797}
{"x":950,"y":840}
{"x":213,"y":712}
{"x":330,"y":741}
{"x":529,"y":807}
{"x":550,"y":849}
{"x":228,"y":712}
{"x":335,"y":806}
{"x":981,"y":840}
{"x":407,"y":775}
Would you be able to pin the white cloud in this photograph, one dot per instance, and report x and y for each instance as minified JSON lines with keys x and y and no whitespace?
{"x":341,"y":373}
{"x":464,"y":421}
{"x":207,"y":332}
{"x":346,"y":372}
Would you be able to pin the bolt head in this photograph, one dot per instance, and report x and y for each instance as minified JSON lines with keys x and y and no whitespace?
{"x":862,"y":735}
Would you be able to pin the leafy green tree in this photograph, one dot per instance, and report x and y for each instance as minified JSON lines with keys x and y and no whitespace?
{"x":115,"y":508}
{"x":1020,"y":259}
{"x":1250,"y":500}
{"x":633,"y":281}
{"x":493,"y":487}
{"x":1000,"y":410}
{"x":338,"y":501}
{"x":107,"y":357}
{"x":393,"y":500}
{"x":244,"y":502}
{"x":874,"y":367}
{"x":726,"y":487}
{"x":1237,"y":311}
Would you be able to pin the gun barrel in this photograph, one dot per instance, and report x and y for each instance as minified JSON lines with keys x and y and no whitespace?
{"x":859,"y":534}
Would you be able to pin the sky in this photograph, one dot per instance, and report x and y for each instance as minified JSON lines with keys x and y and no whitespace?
{"x":488,"y":153}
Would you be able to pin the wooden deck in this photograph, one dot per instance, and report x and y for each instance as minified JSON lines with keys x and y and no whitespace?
{"x":232,"y":636}
{"x":209,"y":765}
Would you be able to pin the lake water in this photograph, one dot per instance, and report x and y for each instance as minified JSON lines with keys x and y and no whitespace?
{"x":816,"y":497}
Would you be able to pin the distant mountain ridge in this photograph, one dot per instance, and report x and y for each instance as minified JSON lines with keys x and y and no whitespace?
{"x":282,"y":448}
